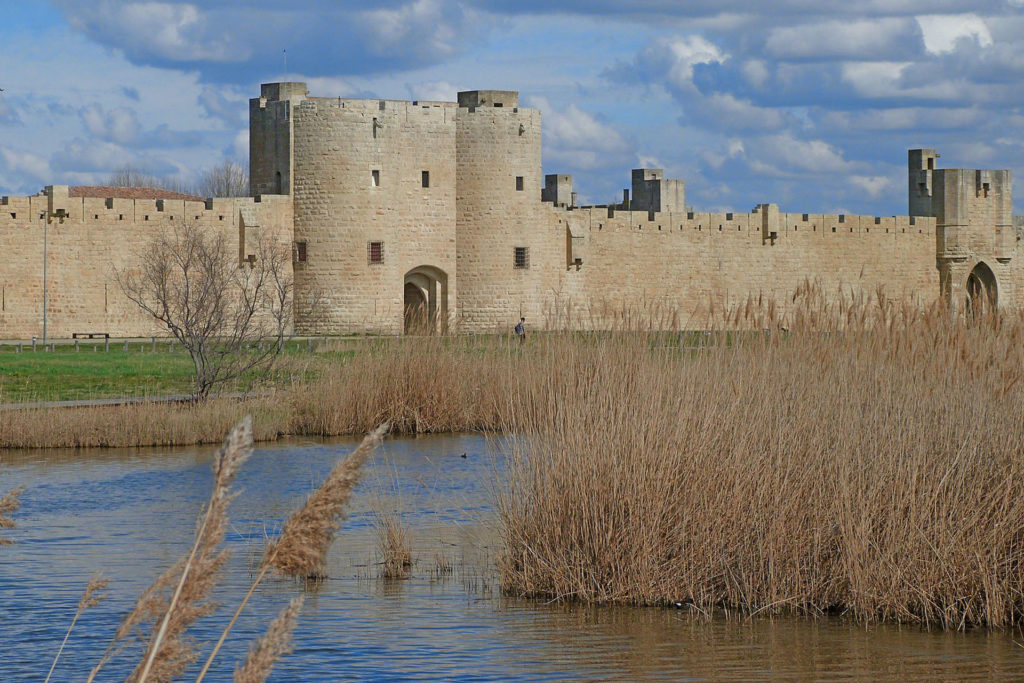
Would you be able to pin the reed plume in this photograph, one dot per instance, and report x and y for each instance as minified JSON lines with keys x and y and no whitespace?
{"x":90,"y":598}
{"x":180,"y":595}
{"x":8,"y":504}
{"x":301,"y":549}
{"x":275,"y":643}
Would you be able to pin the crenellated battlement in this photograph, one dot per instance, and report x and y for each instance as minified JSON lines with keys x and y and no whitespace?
{"x":413,"y":210}
{"x":56,"y":204}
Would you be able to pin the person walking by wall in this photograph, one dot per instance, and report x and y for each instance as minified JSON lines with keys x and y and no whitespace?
{"x":521,"y":330}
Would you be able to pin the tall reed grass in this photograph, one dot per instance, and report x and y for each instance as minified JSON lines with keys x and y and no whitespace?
{"x":863,"y":458}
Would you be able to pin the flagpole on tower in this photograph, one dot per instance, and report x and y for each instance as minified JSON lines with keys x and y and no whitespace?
{"x":284,"y":53}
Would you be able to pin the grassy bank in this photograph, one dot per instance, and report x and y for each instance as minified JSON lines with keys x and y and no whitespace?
{"x":417,"y":384}
{"x":65,"y":374}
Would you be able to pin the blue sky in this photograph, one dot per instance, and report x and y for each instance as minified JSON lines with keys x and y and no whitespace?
{"x":808,"y":103}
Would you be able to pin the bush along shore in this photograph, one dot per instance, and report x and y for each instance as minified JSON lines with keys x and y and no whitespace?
{"x":861,"y":458}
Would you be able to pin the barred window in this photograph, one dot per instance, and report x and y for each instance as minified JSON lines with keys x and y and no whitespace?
{"x":375,"y":252}
{"x":521,"y":258}
{"x":300,"y":251}
{"x":425,"y":179}
{"x":519,"y":183}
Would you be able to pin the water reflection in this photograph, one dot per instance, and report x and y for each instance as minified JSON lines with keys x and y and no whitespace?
{"x":131,"y":512}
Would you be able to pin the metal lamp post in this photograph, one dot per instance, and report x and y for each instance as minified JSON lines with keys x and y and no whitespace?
{"x":48,"y":216}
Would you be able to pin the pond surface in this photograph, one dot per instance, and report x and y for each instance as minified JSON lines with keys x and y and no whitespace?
{"x":130,"y":513}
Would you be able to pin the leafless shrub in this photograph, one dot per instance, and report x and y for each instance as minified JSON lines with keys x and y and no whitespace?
{"x":230,"y":315}
{"x":226,"y":179}
{"x":129,"y":176}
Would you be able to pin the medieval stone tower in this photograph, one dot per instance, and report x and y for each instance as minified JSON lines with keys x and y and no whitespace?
{"x":975,"y":237}
{"x":498,"y":228}
{"x":398,"y":203}
{"x":374,"y":187}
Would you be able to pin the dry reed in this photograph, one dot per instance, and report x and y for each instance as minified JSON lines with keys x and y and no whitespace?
{"x":861,"y":458}
{"x":180,"y":595}
{"x":301,"y":549}
{"x":8,"y":504}
{"x":394,"y":546}
{"x":274,"y":644}
{"x":90,"y":598}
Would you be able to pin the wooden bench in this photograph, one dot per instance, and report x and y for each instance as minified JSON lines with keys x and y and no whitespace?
{"x":90,"y":335}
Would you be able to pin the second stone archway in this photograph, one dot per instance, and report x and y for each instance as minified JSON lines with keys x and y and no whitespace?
{"x":982,"y":289}
{"x":426,"y":300}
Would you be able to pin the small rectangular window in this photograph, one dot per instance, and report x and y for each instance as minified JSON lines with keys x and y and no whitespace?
{"x":425,"y":178}
{"x":521,"y":259}
{"x":300,"y":251}
{"x":374,"y":178}
{"x":984,"y":189}
{"x":519,"y":183}
{"x":375,"y":252}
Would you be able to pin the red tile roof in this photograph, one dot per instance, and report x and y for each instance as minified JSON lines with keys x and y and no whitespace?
{"x":104,"y":191}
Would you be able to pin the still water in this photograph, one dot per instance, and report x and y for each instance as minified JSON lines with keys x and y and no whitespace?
{"x":130,"y":513}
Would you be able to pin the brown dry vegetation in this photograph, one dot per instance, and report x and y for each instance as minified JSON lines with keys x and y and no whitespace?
{"x":866,"y":462}
{"x":394,"y":546}
{"x":861,"y":458}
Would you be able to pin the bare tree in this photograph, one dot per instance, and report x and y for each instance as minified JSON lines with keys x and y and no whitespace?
{"x":227,"y":179}
{"x":128,"y":176}
{"x":230,"y":315}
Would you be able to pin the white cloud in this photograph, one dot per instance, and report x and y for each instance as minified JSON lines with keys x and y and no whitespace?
{"x":942,"y":32}
{"x":756,"y":72}
{"x":168,"y":30}
{"x":734,"y":149}
{"x":117,"y":125}
{"x":578,"y":140}
{"x":866,"y":38}
{"x":323,"y":86}
{"x":729,"y":112}
{"x":686,"y":52}
{"x":874,"y":79}
{"x":240,"y":146}
{"x":21,"y":162}
{"x":431,"y":27}
{"x":874,"y":186}
{"x":786,"y":152}
{"x":434,"y":91}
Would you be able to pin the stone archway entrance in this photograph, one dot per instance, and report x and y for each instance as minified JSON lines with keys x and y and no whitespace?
{"x":982,"y":289}
{"x":426,"y":300}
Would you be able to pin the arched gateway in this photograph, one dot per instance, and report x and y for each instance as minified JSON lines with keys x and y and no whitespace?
{"x":426,"y":300}
{"x":982,"y":289}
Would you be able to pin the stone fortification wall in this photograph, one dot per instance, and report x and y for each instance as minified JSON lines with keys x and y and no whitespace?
{"x":687,"y":262}
{"x":359,"y":180}
{"x":97,"y":236}
{"x":498,"y":168}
